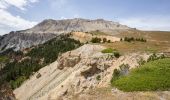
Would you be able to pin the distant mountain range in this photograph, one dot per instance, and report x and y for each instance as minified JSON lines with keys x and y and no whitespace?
{"x":50,"y":28}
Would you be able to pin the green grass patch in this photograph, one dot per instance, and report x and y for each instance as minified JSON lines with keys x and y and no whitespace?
{"x":152,"y":76}
{"x":108,"y":50}
{"x":4,"y":59}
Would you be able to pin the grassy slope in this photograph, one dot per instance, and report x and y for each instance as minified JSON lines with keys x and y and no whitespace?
{"x":151,"y":76}
{"x":157,"y":41}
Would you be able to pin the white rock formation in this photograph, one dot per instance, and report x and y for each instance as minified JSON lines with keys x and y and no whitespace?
{"x":77,"y":77}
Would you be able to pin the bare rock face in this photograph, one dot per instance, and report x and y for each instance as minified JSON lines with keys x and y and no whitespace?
{"x":77,"y":24}
{"x":18,"y":41}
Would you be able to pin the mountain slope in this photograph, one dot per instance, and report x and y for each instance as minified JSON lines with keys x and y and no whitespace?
{"x":18,"y":40}
{"x":78,"y":75}
{"x":47,"y":30}
{"x":77,"y":24}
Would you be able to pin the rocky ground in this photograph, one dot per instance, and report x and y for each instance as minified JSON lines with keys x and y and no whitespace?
{"x":83,"y":74}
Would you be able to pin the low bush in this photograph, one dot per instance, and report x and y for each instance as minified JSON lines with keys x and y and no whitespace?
{"x":130,"y":39}
{"x":98,"y":77}
{"x":96,"y":40}
{"x":116,"y":54}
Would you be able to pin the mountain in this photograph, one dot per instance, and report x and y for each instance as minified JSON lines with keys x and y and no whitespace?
{"x":49,"y":28}
{"x":77,"y":24}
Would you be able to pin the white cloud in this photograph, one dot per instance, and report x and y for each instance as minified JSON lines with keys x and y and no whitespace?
{"x":16,"y":3}
{"x":13,"y":22}
{"x":9,"y":22}
{"x":159,"y":23}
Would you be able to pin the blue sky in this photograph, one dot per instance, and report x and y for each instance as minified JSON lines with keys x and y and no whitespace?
{"x":142,"y":14}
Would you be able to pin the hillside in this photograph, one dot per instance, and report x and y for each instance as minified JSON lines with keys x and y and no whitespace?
{"x":49,"y":28}
{"x":77,"y":73}
{"x":74,"y":59}
{"x":16,"y":71}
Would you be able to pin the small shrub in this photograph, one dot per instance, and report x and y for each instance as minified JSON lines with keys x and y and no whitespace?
{"x":108,"y":41}
{"x":141,"y":62}
{"x":98,"y":77}
{"x":155,"y":57}
{"x":108,"y":50}
{"x":115,"y":75}
{"x":130,"y":39}
{"x":96,"y":40}
{"x":116,"y":54}
{"x":104,"y":40}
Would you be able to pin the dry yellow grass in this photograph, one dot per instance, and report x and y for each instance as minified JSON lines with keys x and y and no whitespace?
{"x":125,"y":47}
{"x":149,"y":35}
{"x":157,"y":41}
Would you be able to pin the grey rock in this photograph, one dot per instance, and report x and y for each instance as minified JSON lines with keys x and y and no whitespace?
{"x":77,"y":24}
{"x":17,"y":40}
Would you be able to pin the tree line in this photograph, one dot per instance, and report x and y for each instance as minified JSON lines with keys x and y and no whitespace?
{"x":16,"y":72}
{"x":130,"y":39}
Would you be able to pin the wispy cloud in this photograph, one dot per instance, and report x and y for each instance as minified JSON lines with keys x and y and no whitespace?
{"x":4,"y":4}
{"x":14,"y":21}
{"x":148,"y":23}
{"x":9,"y":22}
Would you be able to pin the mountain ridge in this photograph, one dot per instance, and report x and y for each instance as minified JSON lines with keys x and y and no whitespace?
{"x":76,"y":24}
{"x":50,"y":28}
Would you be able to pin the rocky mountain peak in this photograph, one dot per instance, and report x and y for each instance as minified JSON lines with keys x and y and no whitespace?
{"x":76,"y":24}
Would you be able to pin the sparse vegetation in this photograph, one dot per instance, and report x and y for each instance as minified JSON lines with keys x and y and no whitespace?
{"x":104,"y":40}
{"x":151,"y":76}
{"x":141,"y":62}
{"x":115,"y":75}
{"x":124,"y":70}
{"x":108,"y":41}
{"x":97,"y":32}
{"x":130,"y":39}
{"x":116,"y":54}
{"x":98,"y":77}
{"x":4,"y":59}
{"x":110,"y":50}
{"x":96,"y":40}
{"x":99,"y":40}
{"x":155,"y":57}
